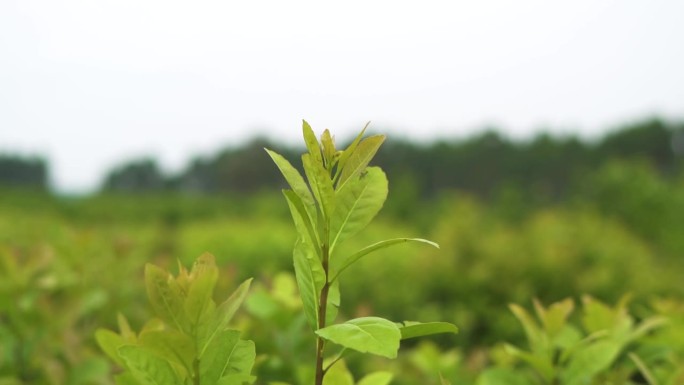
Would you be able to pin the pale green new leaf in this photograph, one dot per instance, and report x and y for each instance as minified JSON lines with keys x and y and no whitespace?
{"x":535,"y":336}
{"x":242,"y":359}
{"x":125,"y":329}
{"x":293,"y":178}
{"x":199,"y":303}
{"x":333,"y":303}
{"x":310,"y":280}
{"x":172,"y":345}
{"x":328,"y":144}
{"x":356,"y":204}
{"x":213,"y":363}
{"x":227,"y":354}
{"x":125,"y":378}
{"x":303,"y":223}
{"x":417,"y":329}
{"x":359,"y":159}
{"x":376,"y":378}
{"x":110,"y":343}
{"x":599,"y":316}
{"x":152,"y":324}
{"x":165,"y":296}
{"x":237,"y":379}
{"x":541,"y":363}
{"x":321,"y":184}
{"x":375,"y":247}
{"x":348,"y":151}
{"x":311,"y":142}
{"x":566,"y":339}
{"x":147,"y":368}
{"x":367,"y":335}
{"x":555,"y":317}
{"x":588,"y":362}
{"x":222,"y":316}
{"x":338,"y":374}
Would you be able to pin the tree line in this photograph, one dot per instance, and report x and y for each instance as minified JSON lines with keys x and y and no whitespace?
{"x":26,"y":172}
{"x":484,"y":164}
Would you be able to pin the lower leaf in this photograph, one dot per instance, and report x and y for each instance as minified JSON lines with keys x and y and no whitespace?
{"x":367,"y":335}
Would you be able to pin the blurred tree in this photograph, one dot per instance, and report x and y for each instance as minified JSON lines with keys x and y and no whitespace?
{"x":243,"y":169}
{"x":141,"y":175}
{"x":545,"y":169}
{"x":651,"y":140}
{"x":16,"y":171}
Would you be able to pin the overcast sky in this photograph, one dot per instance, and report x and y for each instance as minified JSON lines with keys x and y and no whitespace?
{"x":91,"y":83}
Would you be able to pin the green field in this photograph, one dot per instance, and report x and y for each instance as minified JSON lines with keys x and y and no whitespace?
{"x":70,"y":265}
{"x":560,"y":261}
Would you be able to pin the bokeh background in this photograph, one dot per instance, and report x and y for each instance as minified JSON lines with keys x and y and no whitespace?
{"x":541,"y":145}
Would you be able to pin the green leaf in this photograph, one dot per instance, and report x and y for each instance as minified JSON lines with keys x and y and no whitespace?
{"x":377,"y":378}
{"x":599,"y":316}
{"x":367,"y":335}
{"x":165,"y":296}
{"x":241,"y":359}
{"x":293,"y":178}
{"x":125,"y":378}
{"x":338,"y":374}
{"x":541,"y":363}
{"x":237,"y":379}
{"x":333,"y":303}
{"x":566,"y":339}
{"x":109,"y":343}
{"x":555,"y":317}
{"x":312,"y":143}
{"x":588,"y":362}
{"x":310,"y":280}
{"x":125,"y":329}
{"x":147,"y":368}
{"x":328,"y":148}
{"x":348,"y":151}
{"x":359,"y":159}
{"x":535,"y":336}
{"x":172,"y":346}
{"x":321,"y":184}
{"x":302,"y":221}
{"x":213,"y":364}
{"x":224,"y":313}
{"x":227,"y":354}
{"x":356,"y":204}
{"x":203,"y":277}
{"x":417,"y":329}
{"x":375,"y":247}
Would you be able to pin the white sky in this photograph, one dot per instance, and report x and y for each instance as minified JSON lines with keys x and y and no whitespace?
{"x":90,"y":83}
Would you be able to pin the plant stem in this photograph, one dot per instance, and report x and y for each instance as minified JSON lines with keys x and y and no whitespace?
{"x":321,"y":342}
{"x":322,"y":310}
{"x":323,"y":304}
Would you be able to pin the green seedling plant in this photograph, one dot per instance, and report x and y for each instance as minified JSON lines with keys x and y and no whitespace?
{"x":191,"y":342}
{"x":339,"y":198}
{"x":603,"y":350}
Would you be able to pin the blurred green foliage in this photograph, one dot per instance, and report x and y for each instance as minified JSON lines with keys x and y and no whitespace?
{"x":604,"y":225}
